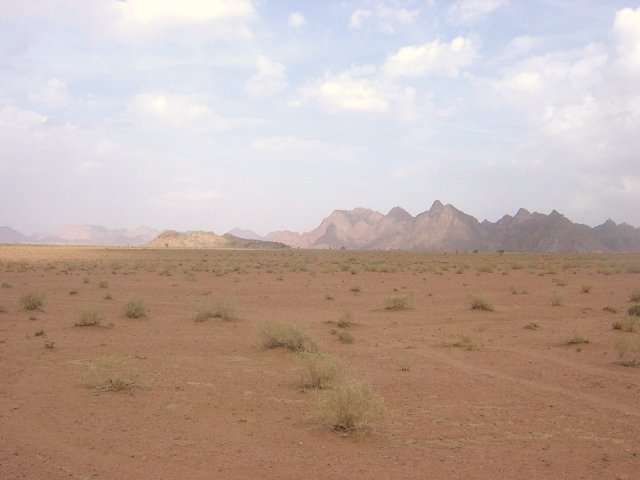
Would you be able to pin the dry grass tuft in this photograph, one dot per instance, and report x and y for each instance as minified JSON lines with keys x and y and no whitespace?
{"x":635,"y":311}
{"x":319,"y":370}
{"x":556,"y":300}
{"x":628,"y":351}
{"x":351,"y":407}
{"x":345,"y":337}
{"x":111,"y":374}
{"x":478,"y":303}
{"x":32,"y":300}
{"x":89,"y":317}
{"x":627,"y":324}
{"x":465,"y":342}
{"x":276,"y":335}
{"x":222,"y":309}
{"x":577,"y":339}
{"x":635,"y":296}
{"x":397,"y":302}
{"x":135,"y":308}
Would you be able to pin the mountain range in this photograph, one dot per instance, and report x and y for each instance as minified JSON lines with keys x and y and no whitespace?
{"x":82,"y":235}
{"x":445,"y":228}
{"x":441,"y":228}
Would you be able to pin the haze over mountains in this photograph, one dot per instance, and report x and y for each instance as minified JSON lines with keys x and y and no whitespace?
{"x":441,"y":228}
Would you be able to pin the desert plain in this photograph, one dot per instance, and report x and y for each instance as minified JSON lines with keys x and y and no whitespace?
{"x":533,"y":383}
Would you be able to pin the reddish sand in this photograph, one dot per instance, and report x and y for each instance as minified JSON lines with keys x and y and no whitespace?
{"x":522,"y":404}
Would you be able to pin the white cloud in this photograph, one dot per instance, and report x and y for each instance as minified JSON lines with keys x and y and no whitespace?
{"x":519,"y":46}
{"x":469,"y":12}
{"x":53,"y":94}
{"x":357,"y":18}
{"x":268,"y":81}
{"x":431,"y":58}
{"x":627,"y":30}
{"x":296,"y":20}
{"x":305,"y":149}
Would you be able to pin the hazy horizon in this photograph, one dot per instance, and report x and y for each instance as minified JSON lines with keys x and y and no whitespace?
{"x":264,"y":115}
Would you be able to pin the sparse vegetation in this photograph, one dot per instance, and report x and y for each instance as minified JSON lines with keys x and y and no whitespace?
{"x":531,"y":326}
{"x":628,"y":351}
{"x":634,"y":310}
{"x":627,"y":324}
{"x":6,"y":285}
{"x":319,"y":370}
{"x":135,"y":308}
{"x":345,"y":321}
{"x":478,"y":303}
{"x":635,"y":296}
{"x":351,"y":407}
{"x":586,"y":288}
{"x":89,"y":317}
{"x":610,"y":309}
{"x":32,"y":300}
{"x":577,"y":339}
{"x":111,"y":374}
{"x":465,"y":342}
{"x":221,"y":309}
{"x":397,"y":302}
{"x":108,"y":296}
{"x":276,"y":335}
{"x":73,"y":291}
{"x":345,"y":337}
{"x":556,"y":300}
{"x":103,"y":284}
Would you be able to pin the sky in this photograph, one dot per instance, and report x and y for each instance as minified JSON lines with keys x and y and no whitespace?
{"x":270,"y":114}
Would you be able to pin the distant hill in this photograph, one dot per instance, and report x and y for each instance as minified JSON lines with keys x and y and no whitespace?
{"x":445,"y":228}
{"x":173,"y":239}
{"x":82,"y":235}
{"x":248,"y":234}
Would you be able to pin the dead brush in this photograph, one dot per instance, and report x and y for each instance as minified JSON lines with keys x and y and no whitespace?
{"x":89,"y":317}
{"x":111,"y":374}
{"x":318,"y":370}
{"x":222,"y":309}
{"x":479,"y":303}
{"x":397,"y":302}
{"x":351,"y":407}
{"x":276,"y":335}
{"x":627,"y":324}
{"x":628,"y":351}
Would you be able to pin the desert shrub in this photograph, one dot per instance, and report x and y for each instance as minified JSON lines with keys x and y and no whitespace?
{"x":478,"y":303}
{"x":275,"y":335}
{"x":404,"y":364}
{"x":345,"y":337}
{"x":351,"y":407}
{"x":397,"y":302}
{"x":88,"y":317}
{"x":135,"y":308}
{"x":85,"y":280}
{"x":531,"y":326}
{"x":33,"y":300}
{"x":577,"y":339}
{"x":6,"y":285}
{"x":634,"y":310}
{"x":111,"y":374}
{"x":38,"y":333}
{"x":610,"y":309}
{"x":319,"y":370}
{"x":628,"y":351}
{"x":222,"y":309}
{"x":635,"y":296}
{"x":627,"y":324}
{"x":355,"y":290}
{"x":73,"y":291}
{"x":465,"y":342}
{"x":345,"y":320}
{"x":586,"y":288}
{"x":103,"y":284}
{"x":328,"y":296}
{"x":108,"y":296}
{"x":556,"y":300}
{"x":3,"y":309}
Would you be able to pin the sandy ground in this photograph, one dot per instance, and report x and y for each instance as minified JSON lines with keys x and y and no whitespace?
{"x":519,"y":403}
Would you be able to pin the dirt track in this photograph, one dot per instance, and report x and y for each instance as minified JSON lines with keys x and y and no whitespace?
{"x":519,"y":403}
